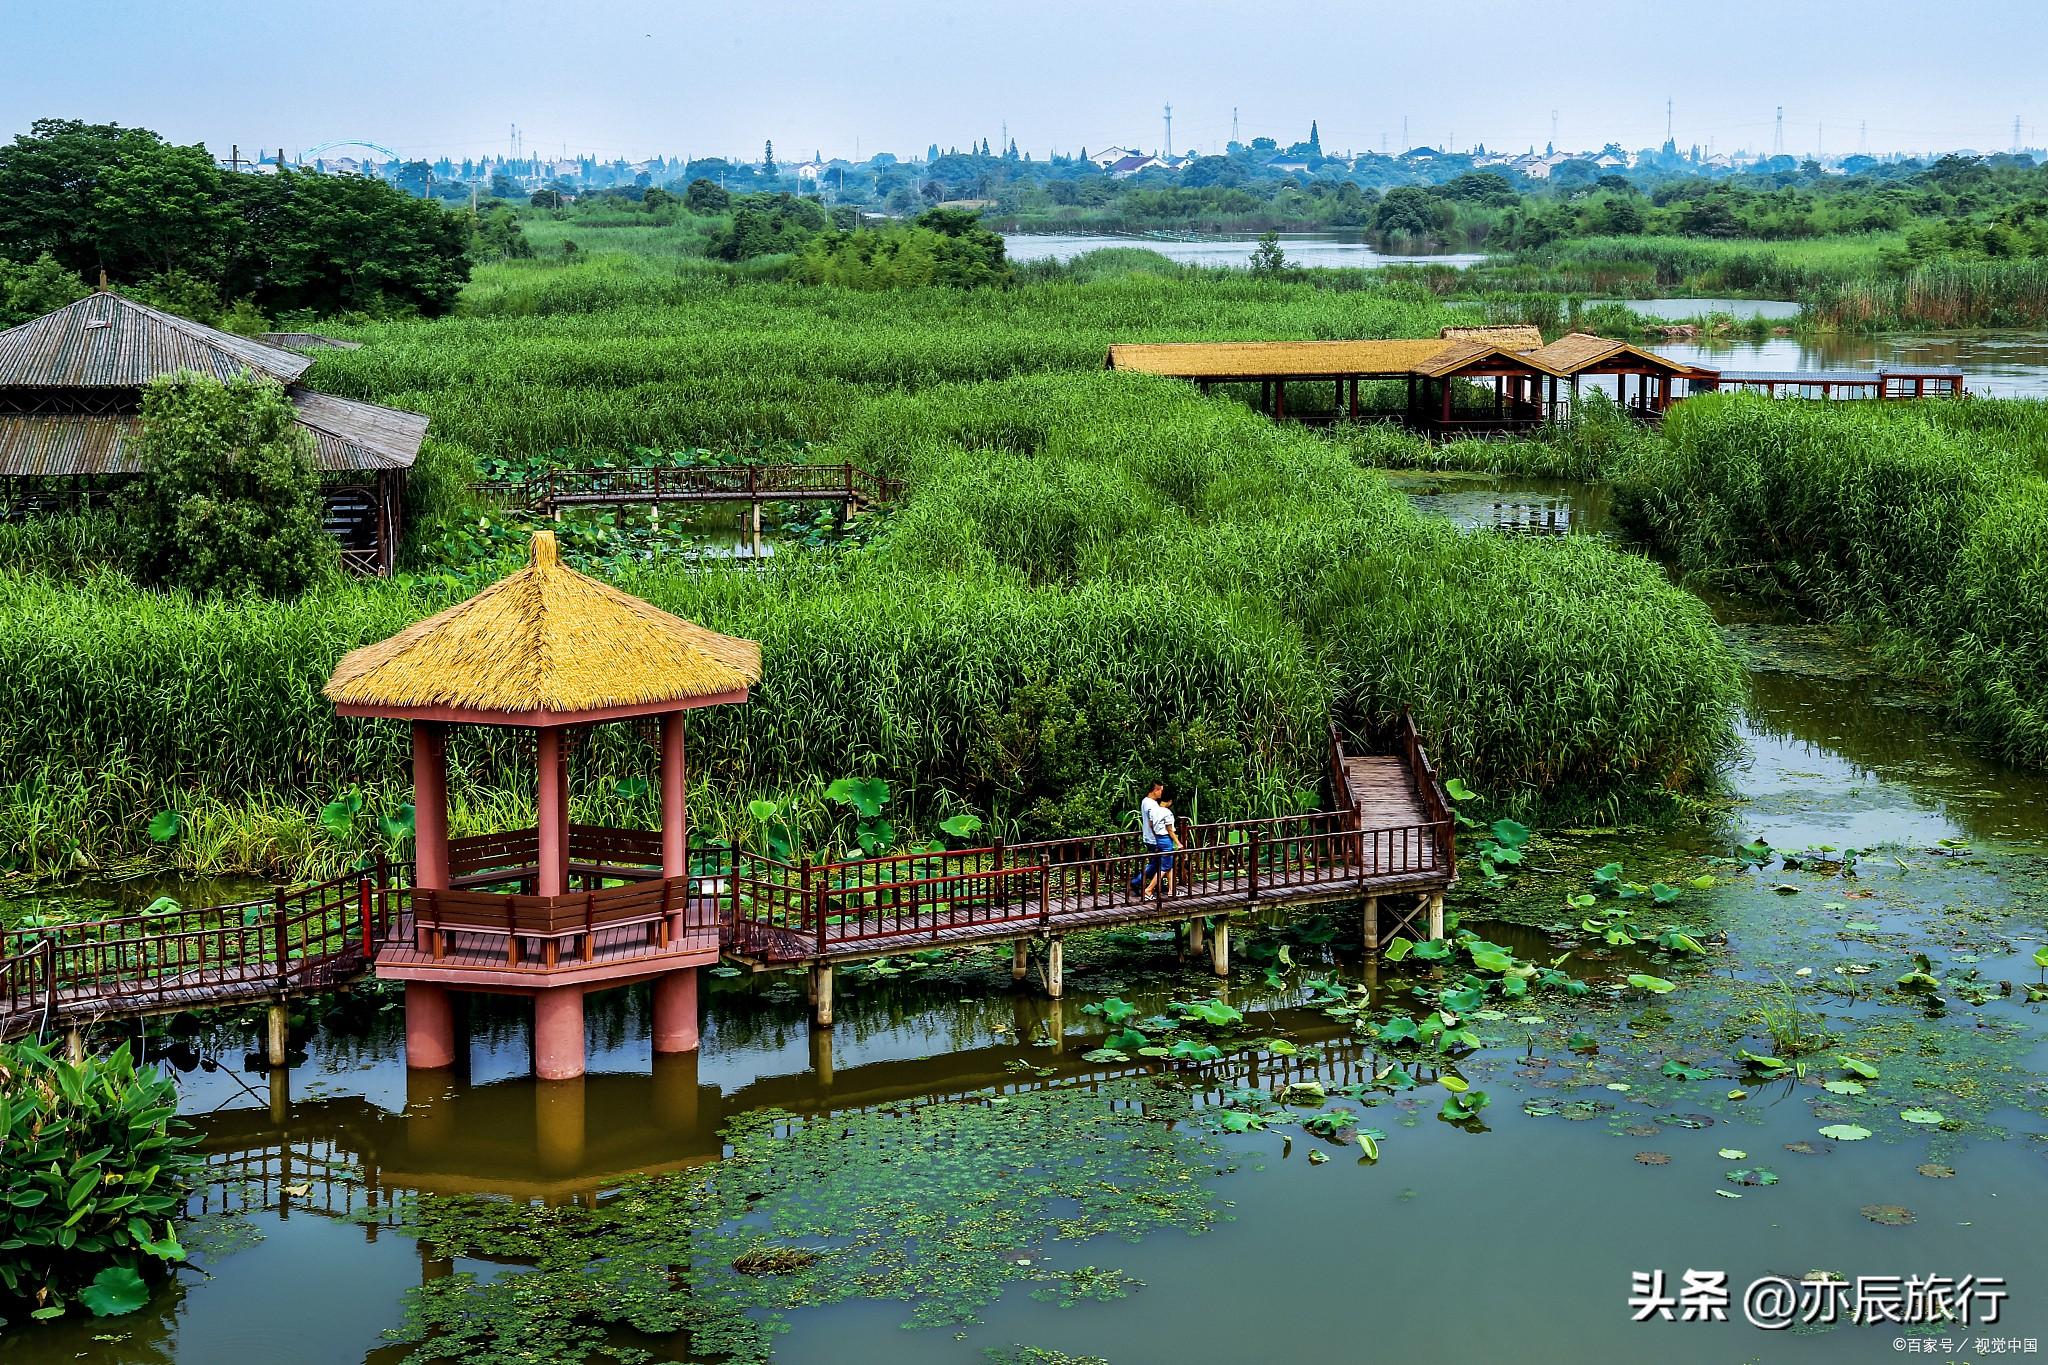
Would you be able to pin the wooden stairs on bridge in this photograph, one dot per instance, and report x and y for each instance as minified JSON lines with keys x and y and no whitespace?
{"x":1386,"y":834}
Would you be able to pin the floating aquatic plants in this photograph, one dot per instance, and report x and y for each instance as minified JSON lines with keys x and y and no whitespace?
{"x":926,"y":1206}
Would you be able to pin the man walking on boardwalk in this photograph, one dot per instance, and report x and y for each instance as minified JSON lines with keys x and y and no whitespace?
{"x":1155,"y":827}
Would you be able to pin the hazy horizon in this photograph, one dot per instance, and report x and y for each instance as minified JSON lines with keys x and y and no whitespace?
{"x":635,"y":79}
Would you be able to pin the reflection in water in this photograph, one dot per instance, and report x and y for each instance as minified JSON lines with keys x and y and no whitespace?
{"x":1994,"y":364}
{"x":1778,"y":310}
{"x":1513,"y":506}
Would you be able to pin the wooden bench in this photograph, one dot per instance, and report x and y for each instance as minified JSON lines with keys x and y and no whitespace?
{"x":660,"y":905}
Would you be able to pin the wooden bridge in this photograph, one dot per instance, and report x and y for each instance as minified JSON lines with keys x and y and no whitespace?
{"x":1386,"y":840}
{"x":848,"y":485}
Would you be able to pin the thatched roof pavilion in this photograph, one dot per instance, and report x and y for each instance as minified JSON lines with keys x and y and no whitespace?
{"x":546,"y":646}
{"x":1512,"y":360}
{"x":553,"y":651}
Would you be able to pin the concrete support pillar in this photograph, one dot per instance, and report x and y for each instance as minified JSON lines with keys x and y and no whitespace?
{"x":74,"y":1045}
{"x":675,"y":1011}
{"x":280,"y":1095}
{"x":558,"y":1033}
{"x":1055,"y":967}
{"x":429,"y":1026}
{"x":1372,"y":926}
{"x":277,"y":1034}
{"x":430,"y":805}
{"x":1219,"y":948}
{"x":558,"y":1126}
{"x":821,"y":995}
{"x":1020,"y":959}
{"x":757,"y":530}
{"x":1197,"y":935}
{"x":675,"y":834}
{"x":1436,"y":915}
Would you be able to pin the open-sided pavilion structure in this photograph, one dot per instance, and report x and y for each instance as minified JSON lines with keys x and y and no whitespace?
{"x":1447,"y":378}
{"x":559,"y":909}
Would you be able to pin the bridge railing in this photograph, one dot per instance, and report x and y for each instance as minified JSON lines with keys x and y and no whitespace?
{"x":242,"y":950}
{"x":791,"y":910}
{"x":708,"y":483}
{"x":1429,"y":789}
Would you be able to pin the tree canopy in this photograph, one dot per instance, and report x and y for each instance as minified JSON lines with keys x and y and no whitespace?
{"x":100,"y":197}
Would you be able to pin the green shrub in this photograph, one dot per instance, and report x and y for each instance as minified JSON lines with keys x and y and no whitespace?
{"x":96,"y":1167}
{"x":228,"y":499}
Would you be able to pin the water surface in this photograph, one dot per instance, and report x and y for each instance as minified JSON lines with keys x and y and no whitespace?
{"x":2005,"y":364}
{"x":1302,"y":248}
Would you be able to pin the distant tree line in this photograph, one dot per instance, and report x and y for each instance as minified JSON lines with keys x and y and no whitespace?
{"x":79,"y":199}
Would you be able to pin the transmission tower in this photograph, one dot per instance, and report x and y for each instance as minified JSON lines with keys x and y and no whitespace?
{"x":2015,"y":132}
{"x":1667,"y":120}
{"x":1233,"y":123}
{"x":1778,"y":136}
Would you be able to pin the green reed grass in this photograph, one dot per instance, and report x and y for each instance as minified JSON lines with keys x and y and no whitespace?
{"x":1094,"y":578}
{"x":1924,"y":525}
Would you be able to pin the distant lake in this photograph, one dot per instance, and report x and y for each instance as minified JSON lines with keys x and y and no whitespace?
{"x":1777,"y":310}
{"x":1994,"y":364}
{"x":1302,"y":248}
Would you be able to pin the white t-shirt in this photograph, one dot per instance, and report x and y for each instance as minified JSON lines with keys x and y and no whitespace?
{"x":1158,"y":820}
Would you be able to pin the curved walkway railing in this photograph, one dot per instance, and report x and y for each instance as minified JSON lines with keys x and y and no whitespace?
{"x":748,"y":905}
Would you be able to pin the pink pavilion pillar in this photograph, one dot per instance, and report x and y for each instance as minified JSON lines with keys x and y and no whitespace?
{"x":429,"y":1010}
{"x":552,"y":814}
{"x":675,"y":993}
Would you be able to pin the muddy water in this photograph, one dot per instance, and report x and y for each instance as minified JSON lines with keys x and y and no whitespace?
{"x":1469,"y":1245}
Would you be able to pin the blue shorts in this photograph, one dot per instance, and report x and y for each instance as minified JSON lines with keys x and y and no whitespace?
{"x":1160,"y":863}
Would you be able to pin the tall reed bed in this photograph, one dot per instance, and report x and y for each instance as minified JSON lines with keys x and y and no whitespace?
{"x":2010,"y":293}
{"x":1094,"y":578}
{"x":1925,"y":525}
{"x":1647,"y":266}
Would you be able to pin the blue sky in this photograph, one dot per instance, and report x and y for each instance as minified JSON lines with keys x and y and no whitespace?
{"x":635,"y":77}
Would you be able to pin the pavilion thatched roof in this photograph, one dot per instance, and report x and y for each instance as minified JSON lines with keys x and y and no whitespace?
{"x":1577,"y":351}
{"x":1266,"y":359}
{"x":545,"y":641}
{"x":1519,"y":337}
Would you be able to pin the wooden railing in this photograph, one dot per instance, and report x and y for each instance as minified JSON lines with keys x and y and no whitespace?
{"x":675,"y":912}
{"x":785,"y":911}
{"x":294,"y":939}
{"x":1341,"y":796}
{"x":595,"y":853}
{"x":707,"y":483}
{"x":747,"y":903}
{"x":1429,"y":789}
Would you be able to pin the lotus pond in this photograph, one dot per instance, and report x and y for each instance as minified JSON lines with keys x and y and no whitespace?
{"x":1809,"y":1041}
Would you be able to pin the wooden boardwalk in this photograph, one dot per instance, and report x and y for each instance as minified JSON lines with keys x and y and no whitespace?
{"x":846,"y":484}
{"x":1386,"y":838}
